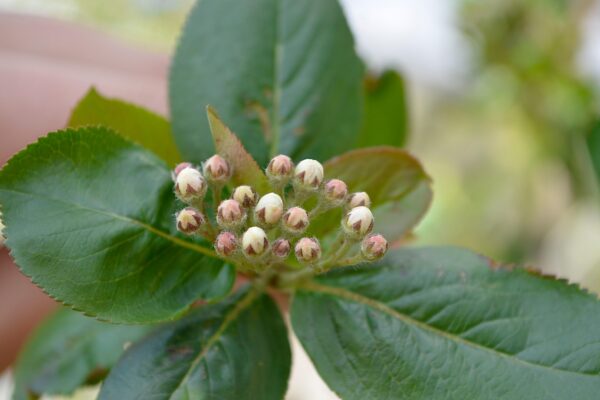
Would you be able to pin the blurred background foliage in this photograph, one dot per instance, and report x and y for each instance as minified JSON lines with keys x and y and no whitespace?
{"x":512,"y":141}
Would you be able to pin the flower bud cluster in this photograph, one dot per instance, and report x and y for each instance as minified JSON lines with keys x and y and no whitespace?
{"x":257,"y":231}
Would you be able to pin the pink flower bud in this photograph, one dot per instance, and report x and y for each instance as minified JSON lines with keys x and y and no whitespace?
{"x":281,"y":248}
{"x":308,"y":175}
{"x":179,"y":168}
{"x":269,"y":209}
{"x":308,"y":250}
{"x":255,"y":242}
{"x":295,"y":220}
{"x":358,"y":222}
{"x":280,"y":169}
{"x":189,"y":220}
{"x":246,"y":196}
{"x":190,"y":186}
{"x":359,"y":199}
{"x":374,"y":247}
{"x":226,"y":244}
{"x":230,"y":214}
{"x":217,"y":170}
{"x":335,"y":192}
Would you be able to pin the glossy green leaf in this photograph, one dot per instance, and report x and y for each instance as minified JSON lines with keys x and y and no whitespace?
{"x":399,"y":188}
{"x":134,"y":122}
{"x":70,"y":350}
{"x":89,"y":217}
{"x":227,"y":144}
{"x":386,"y":114}
{"x":444,"y":323}
{"x":282,"y":73}
{"x":237,"y":349}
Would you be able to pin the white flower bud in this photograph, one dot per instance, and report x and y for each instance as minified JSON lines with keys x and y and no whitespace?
{"x":335,"y":192}
{"x":230,"y":214}
{"x":269,"y":209}
{"x":358,"y":222}
{"x":295,"y":220}
{"x":280,"y":169}
{"x":178,"y":168}
{"x":374,"y":247}
{"x":308,"y":250}
{"x":245,"y":195}
{"x":281,"y":248}
{"x":190,"y":185}
{"x":189,"y":220}
{"x":217,"y":170}
{"x":255,"y":242}
{"x":308,"y":175}
{"x":226,"y":244}
{"x":359,"y":199}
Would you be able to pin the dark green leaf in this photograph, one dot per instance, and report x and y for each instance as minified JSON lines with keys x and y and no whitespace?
{"x":282,"y":73}
{"x":593,"y":143}
{"x":386,"y":113}
{"x":245,"y":169}
{"x":444,"y":323}
{"x":237,"y":349}
{"x":69,"y":350}
{"x":399,"y":188}
{"x":136,"y":123}
{"x":89,"y":217}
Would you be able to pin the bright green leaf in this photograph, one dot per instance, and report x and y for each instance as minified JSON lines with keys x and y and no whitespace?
{"x":136,"y":123}
{"x":89,"y":217}
{"x":282,"y":73}
{"x":237,"y":349}
{"x":245,"y":169}
{"x":444,"y":323}
{"x":70,"y":350}
{"x":399,"y":188}
{"x":386,"y":113}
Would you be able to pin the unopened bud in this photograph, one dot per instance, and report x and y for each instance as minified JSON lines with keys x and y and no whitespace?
{"x":359,"y":199}
{"x":217,"y":170}
{"x":189,"y":220}
{"x":255,"y":242}
{"x":245,"y":195}
{"x":308,"y":250}
{"x":190,"y":185}
{"x":180,"y":167}
{"x":226,"y":244}
{"x":269,"y":209}
{"x":335,"y":192}
{"x":281,"y":248}
{"x":280,"y":169}
{"x":308,"y":175}
{"x":373,"y":247}
{"x":295,"y":220}
{"x":230,"y":214}
{"x":358,"y":222}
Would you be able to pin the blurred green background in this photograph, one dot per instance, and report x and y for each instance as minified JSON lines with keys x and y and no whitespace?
{"x":502,"y":111}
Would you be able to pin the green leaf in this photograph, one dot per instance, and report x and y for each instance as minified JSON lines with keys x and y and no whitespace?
{"x":282,"y":73}
{"x":386,"y":113}
{"x":136,"y":123}
{"x":593,"y":145}
{"x":89,"y":217}
{"x":237,"y":349}
{"x":444,"y":323}
{"x":245,"y":169}
{"x":399,"y":188}
{"x":70,"y":350}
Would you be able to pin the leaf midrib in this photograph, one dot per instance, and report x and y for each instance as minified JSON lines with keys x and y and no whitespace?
{"x":384,"y":308}
{"x":149,"y":228}
{"x":230,"y":316}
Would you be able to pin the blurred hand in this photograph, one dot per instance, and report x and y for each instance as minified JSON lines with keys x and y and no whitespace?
{"x":46,"y":66}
